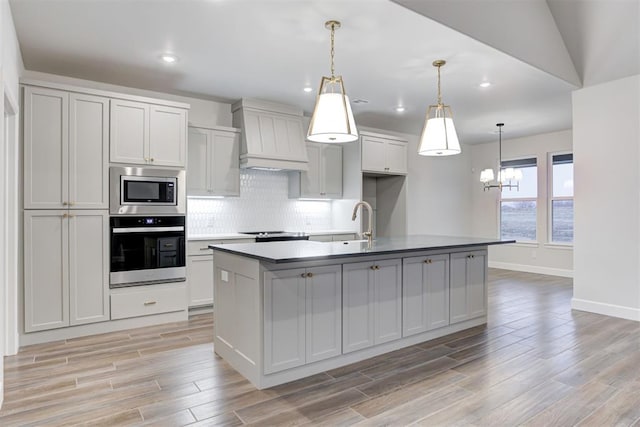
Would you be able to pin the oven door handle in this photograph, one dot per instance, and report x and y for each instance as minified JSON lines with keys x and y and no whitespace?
{"x":121,"y":230}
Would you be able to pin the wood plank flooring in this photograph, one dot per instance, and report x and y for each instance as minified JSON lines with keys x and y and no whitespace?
{"x":536,"y":363}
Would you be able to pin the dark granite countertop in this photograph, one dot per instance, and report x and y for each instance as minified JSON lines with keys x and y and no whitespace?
{"x":303,"y":250}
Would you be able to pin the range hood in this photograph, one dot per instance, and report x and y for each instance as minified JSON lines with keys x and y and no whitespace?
{"x":272,"y":135}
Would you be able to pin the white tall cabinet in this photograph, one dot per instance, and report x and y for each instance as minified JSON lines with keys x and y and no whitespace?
{"x":372,"y":303}
{"x":65,"y":150}
{"x":66,"y":268}
{"x":468,"y":285}
{"x":383,"y":154}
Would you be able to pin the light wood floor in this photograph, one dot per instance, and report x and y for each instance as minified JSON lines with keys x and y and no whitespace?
{"x":537,"y":363}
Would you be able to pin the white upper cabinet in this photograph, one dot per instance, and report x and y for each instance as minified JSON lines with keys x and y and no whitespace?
{"x":147,"y":134}
{"x":323,"y":180}
{"x":383,"y":154}
{"x":214,"y":167}
{"x":65,"y":150}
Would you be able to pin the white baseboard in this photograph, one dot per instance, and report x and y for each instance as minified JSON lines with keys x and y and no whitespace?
{"x":532,"y":269}
{"x":613,"y":310}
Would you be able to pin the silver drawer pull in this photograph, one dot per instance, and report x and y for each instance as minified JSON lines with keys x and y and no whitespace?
{"x":204,"y":249}
{"x":150,"y":302}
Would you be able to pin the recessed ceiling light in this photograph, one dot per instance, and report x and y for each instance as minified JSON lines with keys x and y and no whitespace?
{"x":308,"y":89}
{"x":168,"y":58}
{"x":485,"y":84}
{"x":400,"y":109}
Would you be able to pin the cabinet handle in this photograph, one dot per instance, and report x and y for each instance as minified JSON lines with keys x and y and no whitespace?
{"x":146,"y":159}
{"x":427,"y":261}
{"x":309,"y":274}
{"x":168,"y":245}
{"x":71,"y":216}
{"x":65,"y":215}
{"x":150,"y":302}
{"x":373,"y":267}
{"x":303,"y":275}
{"x":151,"y":159}
{"x":64,"y":203}
{"x":204,"y":249}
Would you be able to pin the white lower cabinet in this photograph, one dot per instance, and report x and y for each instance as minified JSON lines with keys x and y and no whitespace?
{"x":200,"y":270}
{"x":425,"y":293}
{"x":372,"y":303}
{"x":66,"y":268}
{"x":302,"y":309}
{"x":468,"y":285}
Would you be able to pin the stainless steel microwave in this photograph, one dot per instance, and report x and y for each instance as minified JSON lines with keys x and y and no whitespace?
{"x":135,"y":191}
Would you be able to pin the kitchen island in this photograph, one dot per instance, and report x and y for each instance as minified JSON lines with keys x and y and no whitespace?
{"x":287,"y":310}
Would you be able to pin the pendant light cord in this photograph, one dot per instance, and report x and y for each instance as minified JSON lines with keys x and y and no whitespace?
{"x":333,"y":32}
{"x":439,"y":94}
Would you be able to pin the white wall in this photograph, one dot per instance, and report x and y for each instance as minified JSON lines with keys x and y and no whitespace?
{"x":541,"y":257}
{"x":606,"y":132}
{"x":11,"y":68}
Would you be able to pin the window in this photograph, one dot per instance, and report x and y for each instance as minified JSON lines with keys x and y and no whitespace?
{"x":518,"y":205}
{"x":561,"y":203}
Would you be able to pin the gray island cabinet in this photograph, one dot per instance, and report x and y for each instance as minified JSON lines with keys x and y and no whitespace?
{"x":287,"y":310}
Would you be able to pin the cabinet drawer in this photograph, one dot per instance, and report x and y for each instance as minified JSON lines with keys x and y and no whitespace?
{"x":147,"y":300}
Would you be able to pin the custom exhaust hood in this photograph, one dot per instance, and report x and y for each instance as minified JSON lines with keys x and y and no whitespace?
{"x":272,"y":135}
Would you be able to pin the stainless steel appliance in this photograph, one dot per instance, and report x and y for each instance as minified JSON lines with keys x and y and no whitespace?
{"x":276,"y":236}
{"x":147,"y":250}
{"x":146,"y":191}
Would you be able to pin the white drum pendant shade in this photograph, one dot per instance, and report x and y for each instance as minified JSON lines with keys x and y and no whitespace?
{"x":332,"y":120}
{"x":439,"y":138}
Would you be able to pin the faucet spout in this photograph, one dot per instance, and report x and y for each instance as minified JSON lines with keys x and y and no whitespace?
{"x":369,"y":232}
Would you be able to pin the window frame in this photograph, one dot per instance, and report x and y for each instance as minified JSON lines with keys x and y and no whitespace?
{"x":551,"y":198}
{"x":527,"y":199}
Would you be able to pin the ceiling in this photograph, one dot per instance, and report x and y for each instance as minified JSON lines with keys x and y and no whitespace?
{"x":229,"y":49}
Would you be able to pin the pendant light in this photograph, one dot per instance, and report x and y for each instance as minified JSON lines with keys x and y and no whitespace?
{"x":332,"y":120}
{"x":506,"y":176}
{"x":439,"y":136}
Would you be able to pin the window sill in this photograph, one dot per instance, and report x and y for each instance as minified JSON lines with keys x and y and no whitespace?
{"x":526,"y":244}
{"x":560,"y":246}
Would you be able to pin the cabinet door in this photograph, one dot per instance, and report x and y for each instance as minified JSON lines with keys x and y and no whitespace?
{"x":46,"y":144}
{"x":129,"y":137}
{"x":323,"y":313}
{"x":396,"y":157}
{"x":200,"y":280}
{"x":310,"y":180}
{"x":46,"y":272}
{"x":373,"y":154}
{"x":224,"y":169}
{"x":88,"y":152}
{"x":388,"y":300}
{"x":88,"y":266}
{"x":284,"y":319}
{"x":331,"y":176}
{"x":167,"y":136}
{"x":477,"y":284}
{"x":357,"y":306}
{"x":197,"y":169}
{"x":425,"y":293}
{"x":468,"y":293}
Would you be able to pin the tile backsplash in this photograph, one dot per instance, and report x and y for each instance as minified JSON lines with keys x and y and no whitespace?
{"x":263,"y":205}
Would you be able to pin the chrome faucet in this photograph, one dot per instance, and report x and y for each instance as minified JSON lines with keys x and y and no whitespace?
{"x":369,"y":232}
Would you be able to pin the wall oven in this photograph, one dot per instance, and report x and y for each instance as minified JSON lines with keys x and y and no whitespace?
{"x":146,"y":191}
{"x":147,"y":250}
